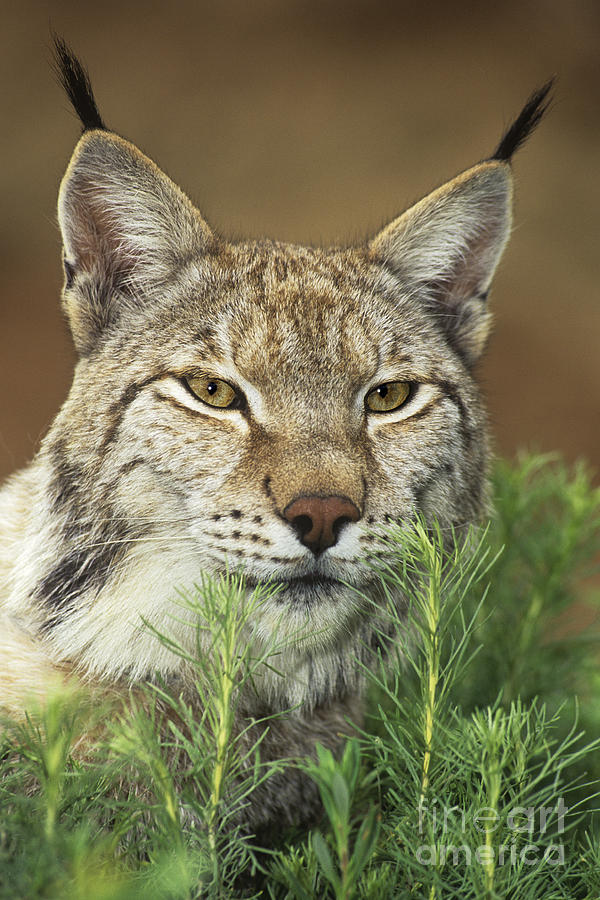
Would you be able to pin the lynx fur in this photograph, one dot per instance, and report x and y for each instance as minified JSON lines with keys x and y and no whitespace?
{"x":141,"y":484}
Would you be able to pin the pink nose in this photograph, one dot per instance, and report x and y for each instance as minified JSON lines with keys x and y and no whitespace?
{"x":319,"y":520}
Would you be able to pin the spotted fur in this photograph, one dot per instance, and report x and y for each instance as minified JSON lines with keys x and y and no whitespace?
{"x":139,"y":487}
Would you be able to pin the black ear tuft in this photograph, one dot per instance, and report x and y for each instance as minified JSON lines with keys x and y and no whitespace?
{"x":76,"y":82}
{"x":524,"y":124}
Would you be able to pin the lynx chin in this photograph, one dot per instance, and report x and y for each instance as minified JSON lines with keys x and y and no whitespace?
{"x":253,"y":406}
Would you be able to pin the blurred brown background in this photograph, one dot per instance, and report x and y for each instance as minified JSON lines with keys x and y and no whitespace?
{"x":316,"y":122}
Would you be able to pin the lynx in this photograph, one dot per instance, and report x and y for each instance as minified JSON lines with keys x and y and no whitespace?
{"x":252,"y":406}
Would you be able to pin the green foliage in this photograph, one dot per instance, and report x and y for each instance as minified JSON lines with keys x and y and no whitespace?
{"x":475,"y":773}
{"x":547,"y":528}
{"x":338,"y":783}
{"x":73,"y":830}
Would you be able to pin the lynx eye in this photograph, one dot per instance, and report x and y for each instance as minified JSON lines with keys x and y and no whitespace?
{"x":387,"y":397}
{"x":213,"y":391}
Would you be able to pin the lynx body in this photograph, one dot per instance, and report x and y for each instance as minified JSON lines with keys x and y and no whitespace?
{"x":251,"y":406}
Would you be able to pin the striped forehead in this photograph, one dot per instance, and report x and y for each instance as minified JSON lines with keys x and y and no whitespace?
{"x":294,"y":313}
{"x":275,"y":308}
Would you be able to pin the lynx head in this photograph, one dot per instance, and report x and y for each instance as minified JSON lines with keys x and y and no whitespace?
{"x":256,"y":406}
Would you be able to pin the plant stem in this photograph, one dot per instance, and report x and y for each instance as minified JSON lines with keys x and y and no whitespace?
{"x":223,"y":707}
{"x":493,"y":783}
{"x":431,"y":608}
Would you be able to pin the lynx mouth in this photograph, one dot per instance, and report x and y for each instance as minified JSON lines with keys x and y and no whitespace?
{"x":307,"y":587}
{"x":296,"y":581}
{"x":309,"y":580}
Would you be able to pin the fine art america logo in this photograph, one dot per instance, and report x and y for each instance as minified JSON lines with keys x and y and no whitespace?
{"x":519,"y":836}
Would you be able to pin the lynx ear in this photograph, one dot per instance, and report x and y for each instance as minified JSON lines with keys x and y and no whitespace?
{"x":125,"y":226}
{"x":447,"y":247}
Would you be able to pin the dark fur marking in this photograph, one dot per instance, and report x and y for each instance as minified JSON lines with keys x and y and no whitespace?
{"x":527,"y":120}
{"x":128,"y":467}
{"x":69,"y":273}
{"x":237,"y":535}
{"x":450,"y":391}
{"x":67,"y":477}
{"x":206,"y":336}
{"x":75,"y":80}
{"x":117,"y":410}
{"x":256,"y":274}
{"x":424,"y":411}
{"x":420,"y":488}
{"x":236,"y":514}
{"x":77,"y":572}
{"x":96,"y":309}
{"x":280,"y":267}
{"x":191,"y":413}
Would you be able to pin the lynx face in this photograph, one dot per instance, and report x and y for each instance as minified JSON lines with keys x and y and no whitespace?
{"x":302,"y":348}
{"x":258,"y":407}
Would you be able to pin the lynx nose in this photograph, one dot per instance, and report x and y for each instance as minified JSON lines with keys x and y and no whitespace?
{"x":319,"y":520}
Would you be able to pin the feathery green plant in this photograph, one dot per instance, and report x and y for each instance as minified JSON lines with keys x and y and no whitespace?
{"x":475,"y":774}
{"x":475,"y":804}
